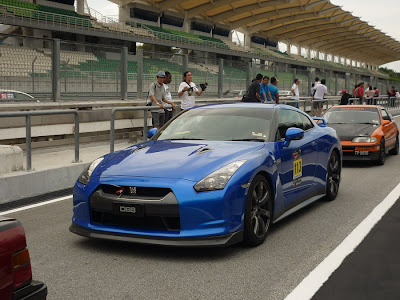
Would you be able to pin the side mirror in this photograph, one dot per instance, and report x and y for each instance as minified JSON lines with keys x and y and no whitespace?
{"x":151,"y":132}
{"x":385,"y":122}
{"x":293,"y":133}
{"x":321,"y":122}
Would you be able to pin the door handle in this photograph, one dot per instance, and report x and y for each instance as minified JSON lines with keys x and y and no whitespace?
{"x":313,"y":143}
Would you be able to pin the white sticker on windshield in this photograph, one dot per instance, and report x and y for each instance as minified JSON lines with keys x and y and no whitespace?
{"x":259,"y":134}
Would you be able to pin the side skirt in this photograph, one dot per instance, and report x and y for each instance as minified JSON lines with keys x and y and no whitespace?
{"x":299,"y":204}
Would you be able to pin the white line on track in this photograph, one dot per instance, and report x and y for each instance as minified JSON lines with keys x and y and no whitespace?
{"x":312,"y":283}
{"x":35,"y":205}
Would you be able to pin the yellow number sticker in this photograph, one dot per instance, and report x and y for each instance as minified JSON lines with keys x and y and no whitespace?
{"x":297,"y":168}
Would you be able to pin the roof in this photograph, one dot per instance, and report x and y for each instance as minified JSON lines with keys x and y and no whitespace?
{"x":318,"y":24}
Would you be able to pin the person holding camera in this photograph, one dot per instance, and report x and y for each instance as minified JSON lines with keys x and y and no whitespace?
{"x":158,"y":97}
{"x":187,"y":89}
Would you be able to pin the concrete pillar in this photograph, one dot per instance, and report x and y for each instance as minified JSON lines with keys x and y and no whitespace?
{"x":347,"y":81}
{"x":311,"y":76}
{"x":337,"y":84}
{"x":317,"y":57}
{"x":81,"y":39}
{"x":186,"y":25}
{"x":124,"y":73}
{"x":122,"y":13}
{"x":185,"y":62}
{"x":276,"y":71}
{"x":288,"y":47}
{"x":139,"y":81}
{"x":248,"y":74}
{"x":56,"y":86}
{"x":247,"y":40}
{"x":294,"y":73}
{"x":309,"y":53}
{"x":220,"y":77}
{"x":80,"y":6}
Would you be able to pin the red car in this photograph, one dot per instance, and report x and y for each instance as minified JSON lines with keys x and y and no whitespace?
{"x":15,"y":266}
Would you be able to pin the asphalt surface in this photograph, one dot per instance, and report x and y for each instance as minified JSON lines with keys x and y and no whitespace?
{"x":372,"y":270}
{"x":74,"y":267}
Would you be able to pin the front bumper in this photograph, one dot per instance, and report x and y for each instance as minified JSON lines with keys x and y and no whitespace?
{"x":220,"y":240}
{"x":361,"y":152}
{"x":36,"y":290}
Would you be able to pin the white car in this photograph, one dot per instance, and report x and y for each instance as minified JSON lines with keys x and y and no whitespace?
{"x":11,"y":95}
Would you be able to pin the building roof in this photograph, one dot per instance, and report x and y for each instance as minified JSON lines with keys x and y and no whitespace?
{"x":318,"y":24}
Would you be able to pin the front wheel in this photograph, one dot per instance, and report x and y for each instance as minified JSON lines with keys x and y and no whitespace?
{"x":258,"y":211}
{"x":382,"y":154}
{"x":395,"y":150}
{"x":333,"y":178}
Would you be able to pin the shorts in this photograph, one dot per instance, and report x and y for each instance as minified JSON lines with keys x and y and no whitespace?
{"x":317,"y":104}
{"x":158,"y":119}
{"x":168,"y":115}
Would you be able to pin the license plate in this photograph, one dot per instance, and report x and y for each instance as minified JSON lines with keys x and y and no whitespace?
{"x":361,"y":153}
{"x":297,"y":168}
{"x":128,"y":209}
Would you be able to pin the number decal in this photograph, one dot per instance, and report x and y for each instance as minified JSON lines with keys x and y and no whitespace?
{"x":297,"y":168}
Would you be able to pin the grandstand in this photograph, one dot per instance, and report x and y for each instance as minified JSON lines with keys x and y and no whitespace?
{"x":204,"y":36}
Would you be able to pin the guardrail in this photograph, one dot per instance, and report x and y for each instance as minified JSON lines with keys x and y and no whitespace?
{"x":28,"y":127}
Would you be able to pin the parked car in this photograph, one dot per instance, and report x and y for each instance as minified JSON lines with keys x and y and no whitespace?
{"x":285,"y":93}
{"x":15,"y":266}
{"x":367,"y":132}
{"x":214,"y":175}
{"x":14,"y":96}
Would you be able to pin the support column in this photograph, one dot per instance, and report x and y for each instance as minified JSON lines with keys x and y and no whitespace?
{"x":337,"y":84}
{"x":124,"y":73}
{"x":248,"y":75}
{"x":294,"y":72}
{"x":80,"y":6}
{"x":220,"y":77}
{"x":247,"y":40}
{"x":298,"y":50}
{"x":122,"y":13}
{"x":347,"y":81}
{"x":311,"y":75}
{"x":309,"y":53}
{"x":55,"y":57}
{"x":185,"y":62}
{"x":139,"y":81}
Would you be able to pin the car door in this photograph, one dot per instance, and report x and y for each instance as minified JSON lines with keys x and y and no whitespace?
{"x":299,"y":159}
{"x":389,"y":130}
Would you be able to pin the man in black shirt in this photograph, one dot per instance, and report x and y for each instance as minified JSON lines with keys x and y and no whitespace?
{"x":253,"y":94}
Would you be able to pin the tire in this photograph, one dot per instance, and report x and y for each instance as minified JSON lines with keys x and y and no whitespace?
{"x":258,"y":211}
{"x":333,"y":177}
{"x":395,"y":150}
{"x":382,"y":155}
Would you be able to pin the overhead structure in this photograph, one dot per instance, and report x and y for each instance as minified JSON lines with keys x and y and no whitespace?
{"x":313,"y":24}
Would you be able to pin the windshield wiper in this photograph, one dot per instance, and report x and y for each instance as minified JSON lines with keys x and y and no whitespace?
{"x":248,"y":140}
{"x":368,"y":123}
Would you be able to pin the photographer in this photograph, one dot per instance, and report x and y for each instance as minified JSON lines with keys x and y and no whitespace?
{"x":187,"y":89}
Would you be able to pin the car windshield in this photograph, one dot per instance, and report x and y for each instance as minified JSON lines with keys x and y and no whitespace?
{"x":219,"y":124}
{"x":349,"y":115}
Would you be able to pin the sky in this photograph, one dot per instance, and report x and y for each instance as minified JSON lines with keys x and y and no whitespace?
{"x":383,"y":14}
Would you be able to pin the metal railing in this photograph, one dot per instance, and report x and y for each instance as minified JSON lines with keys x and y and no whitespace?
{"x":28,"y":127}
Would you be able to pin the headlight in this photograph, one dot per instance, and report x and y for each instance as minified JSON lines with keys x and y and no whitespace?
{"x":87,"y":173}
{"x":218,"y":179}
{"x":365,"y":139}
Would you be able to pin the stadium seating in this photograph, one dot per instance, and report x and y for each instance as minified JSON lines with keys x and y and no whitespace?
{"x":45,"y":13}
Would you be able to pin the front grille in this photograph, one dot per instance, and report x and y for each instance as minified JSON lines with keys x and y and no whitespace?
{"x":348,"y":148}
{"x":152,"y":192}
{"x":147,"y":222}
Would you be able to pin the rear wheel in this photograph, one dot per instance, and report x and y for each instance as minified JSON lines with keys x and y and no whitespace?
{"x":395,"y":150}
{"x":382,"y":154}
{"x":333,"y":178}
{"x":258,"y":211}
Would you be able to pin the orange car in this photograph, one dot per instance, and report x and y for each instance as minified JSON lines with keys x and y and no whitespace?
{"x":367,"y":132}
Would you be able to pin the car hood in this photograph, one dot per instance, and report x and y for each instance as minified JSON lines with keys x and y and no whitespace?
{"x":347,"y":132}
{"x":190,"y":160}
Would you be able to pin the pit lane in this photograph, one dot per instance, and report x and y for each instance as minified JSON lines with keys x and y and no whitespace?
{"x":78,"y":268}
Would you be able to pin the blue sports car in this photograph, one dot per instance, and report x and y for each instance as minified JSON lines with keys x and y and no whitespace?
{"x":213,"y":175}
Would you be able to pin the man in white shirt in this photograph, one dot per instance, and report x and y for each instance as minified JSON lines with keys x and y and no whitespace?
{"x":320,"y":92}
{"x":295,"y":93}
{"x":186,"y":91}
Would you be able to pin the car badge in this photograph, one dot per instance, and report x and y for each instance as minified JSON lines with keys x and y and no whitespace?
{"x":120,"y":191}
{"x":132,"y":190}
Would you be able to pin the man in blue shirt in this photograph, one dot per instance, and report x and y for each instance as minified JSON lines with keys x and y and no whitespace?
{"x":264,"y":93}
{"x":273,"y":90}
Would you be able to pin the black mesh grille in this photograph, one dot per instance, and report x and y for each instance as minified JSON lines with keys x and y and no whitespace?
{"x":148,"y":222}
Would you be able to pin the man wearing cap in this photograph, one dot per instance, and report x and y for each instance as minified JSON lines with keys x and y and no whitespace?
{"x":158,"y":96}
{"x":345,"y":97}
{"x":273,"y":89}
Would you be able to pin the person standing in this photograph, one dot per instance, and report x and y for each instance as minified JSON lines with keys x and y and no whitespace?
{"x":253,"y":93}
{"x":264,"y":93}
{"x":360,"y":92}
{"x":344,"y":100}
{"x":168,"y":107}
{"x":157,"y":95}
{"x":295,"y":93}
{"x":187,"y":89}
{"x":370,"y":93}
{"x":274,"y":91}
{"x":320,"y":92}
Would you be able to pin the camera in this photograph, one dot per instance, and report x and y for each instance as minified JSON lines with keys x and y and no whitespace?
{"x":203,"y":86}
